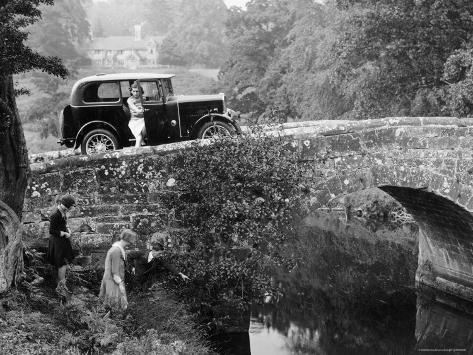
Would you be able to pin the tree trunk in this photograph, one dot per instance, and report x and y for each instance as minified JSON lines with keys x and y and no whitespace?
{"x":11,"y":248}
{"x":14,"y":168}
{"x":14,"y":171}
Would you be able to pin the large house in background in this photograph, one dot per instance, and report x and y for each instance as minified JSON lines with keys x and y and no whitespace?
{"x":125,"y":51}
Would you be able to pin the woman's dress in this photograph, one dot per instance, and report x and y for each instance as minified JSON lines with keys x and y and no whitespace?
{"x":114,"y":270}
{"x":59,"y":248}
{"x":137,"y":120}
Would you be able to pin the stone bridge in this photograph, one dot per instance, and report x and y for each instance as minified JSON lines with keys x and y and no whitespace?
{"x":424,"y":163}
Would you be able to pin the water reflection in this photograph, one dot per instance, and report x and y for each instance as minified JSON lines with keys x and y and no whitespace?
{"x":381,"y":330}
{"x":354,"y":295}
{"x":442,"y":327}
{"x":267,"y":338}
{"x":436,"y":328}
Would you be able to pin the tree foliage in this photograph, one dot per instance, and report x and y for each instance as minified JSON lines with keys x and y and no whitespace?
{"x":16,"y":57}
{"x":394,"y":51}
{"x":458,"y":75}
{"x":256,"y":38}
{"x":118,"y":17}
{"x":196,"y":37}
{"x":61,"y":32}
{"x":350,"y":58}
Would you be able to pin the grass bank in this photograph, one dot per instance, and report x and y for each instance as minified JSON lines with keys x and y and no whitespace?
{"x":33,"y":320}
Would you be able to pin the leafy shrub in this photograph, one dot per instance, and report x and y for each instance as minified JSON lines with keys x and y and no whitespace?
{"x":238,"y":199}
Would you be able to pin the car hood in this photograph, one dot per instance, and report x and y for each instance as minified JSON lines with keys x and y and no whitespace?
{"x":196,"y":98}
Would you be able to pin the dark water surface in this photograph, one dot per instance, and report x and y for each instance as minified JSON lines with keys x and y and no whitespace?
{"x":355,"y":298}
{"x":432,"y":327}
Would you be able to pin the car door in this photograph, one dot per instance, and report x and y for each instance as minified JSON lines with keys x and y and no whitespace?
{"x":159,"y":127}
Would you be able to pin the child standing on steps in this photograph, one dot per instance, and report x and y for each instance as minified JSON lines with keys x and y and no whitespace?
{"x":60,"y":250}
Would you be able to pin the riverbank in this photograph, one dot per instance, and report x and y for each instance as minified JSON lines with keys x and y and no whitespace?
{"x":33,"y":320}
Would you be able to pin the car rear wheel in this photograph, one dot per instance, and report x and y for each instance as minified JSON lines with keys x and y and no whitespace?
{"x":215,"y":129}
{"x":99,"y":141}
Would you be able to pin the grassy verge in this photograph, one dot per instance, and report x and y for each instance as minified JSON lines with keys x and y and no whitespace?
{"x":37,"y":144}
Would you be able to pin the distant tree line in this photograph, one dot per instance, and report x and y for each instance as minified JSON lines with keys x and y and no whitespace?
{"x":354,"y":59}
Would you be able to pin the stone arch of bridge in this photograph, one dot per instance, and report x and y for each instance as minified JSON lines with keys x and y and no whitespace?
{"x":439,"y":203}
{"x":445,"y":239}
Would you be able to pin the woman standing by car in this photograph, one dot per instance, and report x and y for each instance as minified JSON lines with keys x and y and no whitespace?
{"x":137,"y":119}
{"x":60,"y":249}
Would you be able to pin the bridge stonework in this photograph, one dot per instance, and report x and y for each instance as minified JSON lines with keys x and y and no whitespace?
{"x":424,"y":163}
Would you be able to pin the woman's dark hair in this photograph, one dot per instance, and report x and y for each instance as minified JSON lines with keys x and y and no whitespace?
{"x":68,"y":201}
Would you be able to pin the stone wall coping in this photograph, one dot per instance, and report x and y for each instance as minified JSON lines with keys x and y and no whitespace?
{"x":348,"y":126}
{"x":66,"y":158}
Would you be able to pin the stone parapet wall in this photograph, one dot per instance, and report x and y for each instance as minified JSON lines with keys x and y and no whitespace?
{"x":123,"y":189}
{"x":119,"y":189}
{"x":425,"y":163}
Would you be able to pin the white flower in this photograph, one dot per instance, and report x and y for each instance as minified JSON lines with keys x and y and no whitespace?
{"x":171,"y":182}
{"x":259,"y":200}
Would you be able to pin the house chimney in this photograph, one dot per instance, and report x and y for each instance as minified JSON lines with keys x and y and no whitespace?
{"x":137,"y":32}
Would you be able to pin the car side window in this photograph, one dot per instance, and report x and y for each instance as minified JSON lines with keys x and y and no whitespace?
{"x":101,"y":92}
{"x":108,"y":92}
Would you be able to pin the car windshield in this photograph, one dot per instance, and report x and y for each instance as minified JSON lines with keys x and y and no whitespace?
{"x":167,"y":87}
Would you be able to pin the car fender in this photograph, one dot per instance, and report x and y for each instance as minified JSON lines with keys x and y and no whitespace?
{"x":93,"y":125}
{"x":216,"y":117}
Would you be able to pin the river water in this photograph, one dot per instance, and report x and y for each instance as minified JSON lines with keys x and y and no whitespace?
{"x":427,"y":327}
{"x":350,"y":296}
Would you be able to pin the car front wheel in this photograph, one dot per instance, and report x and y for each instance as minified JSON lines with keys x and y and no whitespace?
{"x":99,"y":141}
{"x":215,"y":129}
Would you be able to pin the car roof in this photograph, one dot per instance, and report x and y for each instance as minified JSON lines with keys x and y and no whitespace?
{"x":116,"y":76}
{"x":124,"y":76}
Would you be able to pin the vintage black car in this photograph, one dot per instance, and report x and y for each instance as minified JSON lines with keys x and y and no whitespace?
{"x":97,"y":118}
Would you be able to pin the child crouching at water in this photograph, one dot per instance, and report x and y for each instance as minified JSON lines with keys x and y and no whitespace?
{"x":150,"y":266}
